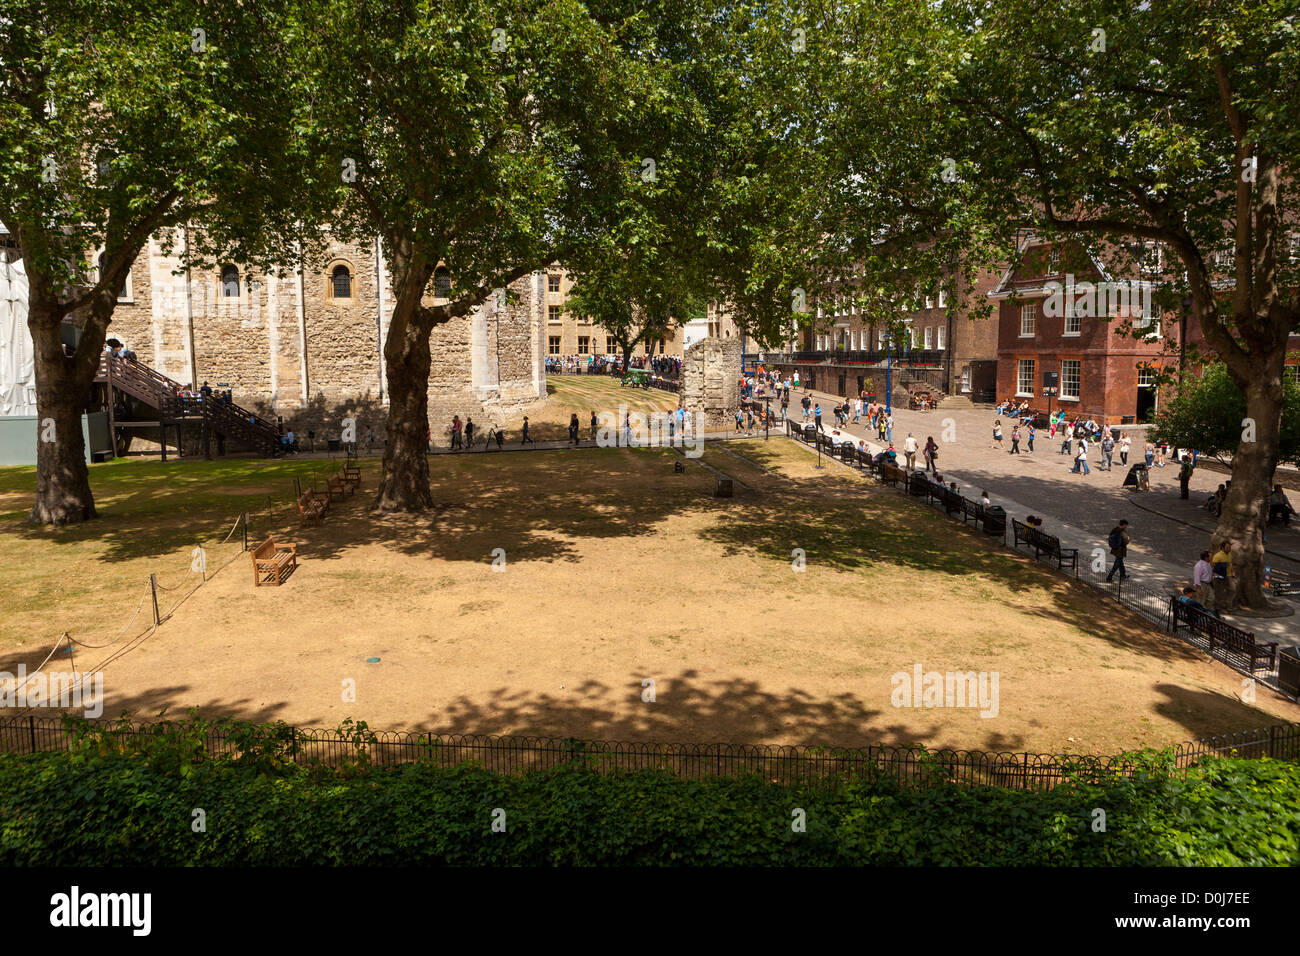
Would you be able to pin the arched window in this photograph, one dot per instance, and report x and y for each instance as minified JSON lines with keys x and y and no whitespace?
{"x":230,"y":282}
{"x":442,"y":282}
{"x":341,"y":282}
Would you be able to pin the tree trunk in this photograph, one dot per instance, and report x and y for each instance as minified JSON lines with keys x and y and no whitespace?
{"x":62,"y":388}
{"x":1245,"y":511}
{"x":404,"y":486}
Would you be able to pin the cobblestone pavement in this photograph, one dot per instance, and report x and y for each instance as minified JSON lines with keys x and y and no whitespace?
{"x":1167,"y":533}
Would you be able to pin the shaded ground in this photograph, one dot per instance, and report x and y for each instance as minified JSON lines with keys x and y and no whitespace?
{"x":616,"y":571}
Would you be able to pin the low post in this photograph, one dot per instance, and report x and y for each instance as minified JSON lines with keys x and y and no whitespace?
{"x":245,"y":524}
{"x":153,"y":587}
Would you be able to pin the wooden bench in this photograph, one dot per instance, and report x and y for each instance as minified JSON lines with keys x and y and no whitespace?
{"x":1043,"y":543}
{"x":1220,"y":634}
{"x":891,"y":474}
{"x":273,"y":562}
{"x":335,"y":488}
{"x":953,"y":502}
{"x":973,"y":511}
{"x":352,"y":475}
{"x":311,"y":509}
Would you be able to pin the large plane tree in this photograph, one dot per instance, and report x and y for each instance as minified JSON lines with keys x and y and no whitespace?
{"x":119,"y":118}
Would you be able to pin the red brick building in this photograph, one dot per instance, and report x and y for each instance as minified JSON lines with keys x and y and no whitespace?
{"x":1060,"y":313}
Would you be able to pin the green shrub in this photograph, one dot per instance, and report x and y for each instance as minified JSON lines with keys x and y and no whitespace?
{"x":117,"y":800}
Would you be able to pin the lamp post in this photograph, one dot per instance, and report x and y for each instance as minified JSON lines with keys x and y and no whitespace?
{"x":889,"y":368}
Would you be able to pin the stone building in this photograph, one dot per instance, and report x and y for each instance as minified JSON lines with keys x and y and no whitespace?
{"x":308,"y":347}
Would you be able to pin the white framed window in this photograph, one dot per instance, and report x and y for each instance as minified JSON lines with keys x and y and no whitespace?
{"x":1073,"y":321}
{"x":928,"y":340}
{"x":911,"y":332}
{"x":1025,"y":378}
{"x":1054,"y":262}
{"x":1153,"y":257}
{"x":1028,"y":320}
{"x":940,"y":334}
{"x":1146,"y":375}
{"x":929,"y":302}
{"x":1071,"y":369}
{"x":965,"y":378}
{"x":943,"y":299}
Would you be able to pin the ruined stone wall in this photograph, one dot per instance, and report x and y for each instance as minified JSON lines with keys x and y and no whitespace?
{"x":711,"y":380}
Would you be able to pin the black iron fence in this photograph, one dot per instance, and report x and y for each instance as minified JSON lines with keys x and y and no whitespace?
{"x":1091,"y":567}
{"x":780,"y":764}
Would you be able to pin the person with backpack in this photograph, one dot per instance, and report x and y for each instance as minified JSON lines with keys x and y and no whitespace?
{"x":1118,"y":540}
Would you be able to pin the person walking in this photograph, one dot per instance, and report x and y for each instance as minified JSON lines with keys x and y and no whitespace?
{"x":1015,"y":439}
{"x":455,"y":432}
{"x":469,"y":432}
{"x":1124,"y":443}
{"x":909,"y":451}
{"x":817,"y":415}
{"x":997,"y":435}
{"x":526,"y":438}
{"x":1066,"y":439}
{"x":889,"y":428}
{"x":857,"y":410}
{"x":573,"y":428}
{"x":1081,"y":458}
{"x":593,"y":423}
{"x":1030,"y":436}
{"x":1107,"y":452}
{"x":1149,"y":451}
{"x":807,"y":404}
{"x":1185,"y":477}
{"x":1118,"y":540}
{"x":931,"y":452}
{"x":1203,"y":581}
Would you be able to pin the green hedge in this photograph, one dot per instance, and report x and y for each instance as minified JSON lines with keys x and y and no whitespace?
{"x":101,"y":805}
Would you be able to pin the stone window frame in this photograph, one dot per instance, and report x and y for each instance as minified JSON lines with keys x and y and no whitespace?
{"x":584,"y":344}
{"x":221,"y":283}
{"x":554,"y":314}
{"x":553,"y":343}
{"x":554,"y":279}
{"x":329,"y":281}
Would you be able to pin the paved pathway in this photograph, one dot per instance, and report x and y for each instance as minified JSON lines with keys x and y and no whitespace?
{"x":1168,"y":533}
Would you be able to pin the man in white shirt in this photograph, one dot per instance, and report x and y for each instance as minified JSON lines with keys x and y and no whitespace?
{"x":1203,"y":581}
{"x":909,"y":451}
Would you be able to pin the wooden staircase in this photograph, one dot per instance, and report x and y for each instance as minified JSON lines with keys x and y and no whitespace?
{"x":152,"y":388}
